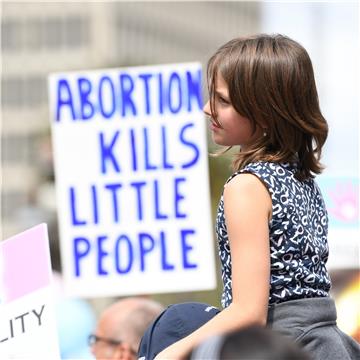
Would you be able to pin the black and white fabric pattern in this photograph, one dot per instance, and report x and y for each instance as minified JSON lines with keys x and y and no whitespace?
{"x":297,"y":233}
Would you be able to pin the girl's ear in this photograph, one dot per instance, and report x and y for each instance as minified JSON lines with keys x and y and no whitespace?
{"x":263,"y":127}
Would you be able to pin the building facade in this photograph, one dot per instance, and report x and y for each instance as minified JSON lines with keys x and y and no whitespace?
{"x":39,"y":38}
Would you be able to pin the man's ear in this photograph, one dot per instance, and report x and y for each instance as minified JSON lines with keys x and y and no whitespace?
{"x":124,"y":352}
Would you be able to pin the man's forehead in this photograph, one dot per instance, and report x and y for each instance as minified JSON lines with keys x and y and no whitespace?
{"x":107,"y":325}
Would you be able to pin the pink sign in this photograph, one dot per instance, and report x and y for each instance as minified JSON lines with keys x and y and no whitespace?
{"x":28,"y":324}
{"x":25,"y":263}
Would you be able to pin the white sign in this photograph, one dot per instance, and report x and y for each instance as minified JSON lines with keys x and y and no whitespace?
{"x":27,"y":327}
{"x":132,"y":180}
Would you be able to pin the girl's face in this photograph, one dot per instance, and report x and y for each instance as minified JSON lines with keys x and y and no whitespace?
{"x":235,"y":129}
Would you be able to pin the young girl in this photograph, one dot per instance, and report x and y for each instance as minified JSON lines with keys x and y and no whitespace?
{"x":272,"y":222}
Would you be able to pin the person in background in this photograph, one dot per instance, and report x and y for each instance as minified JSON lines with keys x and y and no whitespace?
{"x":172,"y":325}
{"x":250,"y":343}
{"x":121,"y":326}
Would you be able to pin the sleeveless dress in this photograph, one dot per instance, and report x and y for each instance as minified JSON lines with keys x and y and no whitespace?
{"x":299,"y":303}
{"x":297,"y":234}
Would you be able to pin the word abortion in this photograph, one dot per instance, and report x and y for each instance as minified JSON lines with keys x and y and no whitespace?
{"x":111,"y":96}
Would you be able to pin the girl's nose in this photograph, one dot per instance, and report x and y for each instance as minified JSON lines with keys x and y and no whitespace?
{"x":206,"y":108}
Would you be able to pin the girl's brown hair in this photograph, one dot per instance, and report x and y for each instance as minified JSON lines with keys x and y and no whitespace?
{"x":271,"y":82}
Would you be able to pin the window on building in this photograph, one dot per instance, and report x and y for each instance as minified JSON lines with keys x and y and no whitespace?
{"x":76,"y":31}
{"x":12,"y":92}
{"x":19,"y":92}
{"x":53,"y":30}
{"x":11,"y":35}
{"x":19,"y":149}
{"x":11,"y":202}
{"x":42,"y":33}
{"x":34,"y":36}
{"x":35,"y":91}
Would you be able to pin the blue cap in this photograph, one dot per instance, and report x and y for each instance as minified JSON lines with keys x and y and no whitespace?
{"x":173,"y":324}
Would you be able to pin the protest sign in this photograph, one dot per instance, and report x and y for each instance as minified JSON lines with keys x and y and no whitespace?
{"x":341,"y":195}
{"x":27,"y":327}
{"x":132,"y":181}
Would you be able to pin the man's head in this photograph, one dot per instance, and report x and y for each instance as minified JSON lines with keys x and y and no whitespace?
{"x":172,"y":325}
{"x":253,"y":342}
{"x":121,"y":326}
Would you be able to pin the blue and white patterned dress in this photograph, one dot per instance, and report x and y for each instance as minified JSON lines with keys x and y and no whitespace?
{"x":297,"y":232}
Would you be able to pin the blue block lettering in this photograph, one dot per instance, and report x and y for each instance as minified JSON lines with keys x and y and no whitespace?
{"x":158,"y":214}
{"x":178,"y":197}
{"x":106,"y":91}
{"x":107,"y":152}
{"x":81,"y":248}
{"x":161,"y":94}
{"x":114,"y":191}
{"x":174,"y":93}
{"x":194,"y":89}
{"x":186,"y":248}
{"x":95,"y":204}
{"x":64,"y":98}
{"x":123,"y":239}
{"x":101,"y":254}
{"x":74,"y":219}
{"x":146,"y":78}
{"x":146,"y":245}
{"x":190,"y":144}
{"x":164,"y":264}
{"x":133,"y":150}
{"x":138,"y":186}
{"x":127,"y":87}
{"x":148,"y":166}
{"x":86,"y":107}
{"x":166,"y":164}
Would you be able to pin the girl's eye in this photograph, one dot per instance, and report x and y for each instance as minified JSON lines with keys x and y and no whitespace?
{"x":224,"y":101}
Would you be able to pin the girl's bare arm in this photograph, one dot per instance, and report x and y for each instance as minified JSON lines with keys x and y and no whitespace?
{"x":247,"y":211}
